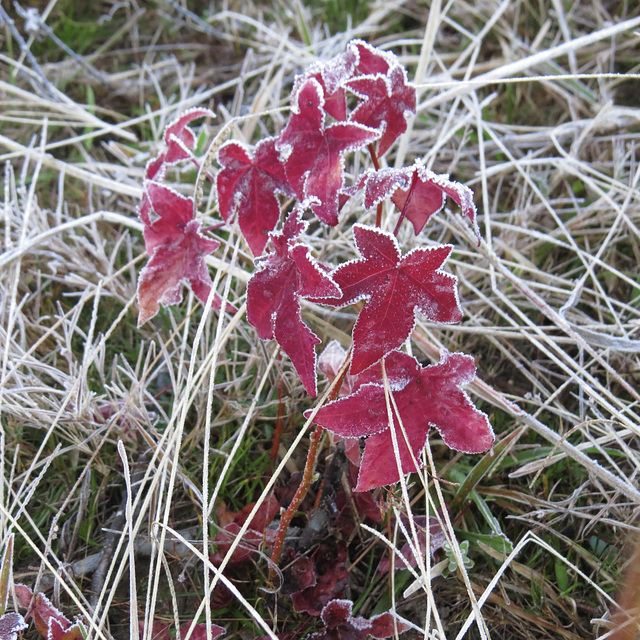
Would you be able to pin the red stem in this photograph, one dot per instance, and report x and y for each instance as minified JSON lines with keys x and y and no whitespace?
{"x":303,"y":488}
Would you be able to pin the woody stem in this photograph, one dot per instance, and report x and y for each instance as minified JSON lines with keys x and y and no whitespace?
{"x":305,"y":483}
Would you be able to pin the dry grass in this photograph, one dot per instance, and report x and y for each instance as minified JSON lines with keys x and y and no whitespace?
{"x":533,"y":105}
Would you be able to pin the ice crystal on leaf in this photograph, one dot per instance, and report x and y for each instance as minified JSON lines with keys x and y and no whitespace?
{"x":425,"y":397}
{"x":313,"y":153}
{"x":394,"y":287}
{"x":285,"y":275}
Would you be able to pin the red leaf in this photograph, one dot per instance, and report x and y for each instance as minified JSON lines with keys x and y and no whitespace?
{"x":313,"y":154}
{"x":179,"y":139}
{"x":177,"y":250}
{"x":419,"y":193}
{"x":340,"y":624}
{"x":331,"y":76}
{"x":254,"y":537}
{"x":394,"y":287}
{"x":200,"y":631}
{"x":57,"y":631}
{"x":370,"y":59}
{"x":46,"y":617}
{"x":273,"y":297}
{"x":331,"y":579}
{"x":425,"y":397}
{"x":250,"y":184}
{"x":10,"y":624}
{"x":387,"y":102}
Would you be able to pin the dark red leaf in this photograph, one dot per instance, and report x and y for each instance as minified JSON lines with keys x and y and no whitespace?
{"x":250,"y":184}
{"x":273,"y":297}
{"x":331,"y":579}
{"x":386,"y":103}
{"x":340,"y":624}
{"x":425,"y":397}
{"x":57,"y":631}
{"x":177,"y":250}
{"x":419,"y":193}
{"x":313,"y":154}
{"x":394,"y":288}
{"x":10,"y":625}
{"x":45,"y":616}
{"x":371,"y":60}
{"x":180,"y":140}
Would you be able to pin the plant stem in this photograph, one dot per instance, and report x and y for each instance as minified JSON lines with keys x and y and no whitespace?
{"x":299,"y":496}
{"x":305,"y":483}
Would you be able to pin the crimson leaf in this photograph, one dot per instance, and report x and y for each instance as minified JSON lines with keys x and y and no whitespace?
{"x":251,"y":184}
{"x":394,"y":287}
{"x":340,"y":624}
{"x":419,"y":193}
{"x":371,"y":60}
{"x":177,"y":250}
{"x":273,"y":297}
{"x":313,"y":154}
{"x":425,"y":397}
{"x":386,"y":103}
{"x":331,"y":76}
{"x":179,"y":139}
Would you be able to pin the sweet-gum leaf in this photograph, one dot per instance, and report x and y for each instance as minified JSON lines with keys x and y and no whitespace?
{"x":426,"y":397}
{"x":177,"y":251}
{"x":285,"y":275}
{"x":418,"y":193}
{"x":249,"y":183}
{"x":10,"y":625}
{"x":386,"y":102}
{"x":371,"y":60}
{"x":340,"y":624}
{"x":394,"y":288}
{"x":313,"y":154}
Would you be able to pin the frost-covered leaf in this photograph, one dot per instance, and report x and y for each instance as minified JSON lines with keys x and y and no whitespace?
{"x":385,"y":103}
{"x":394,"y":288}
{"x":177,"y":251}
{"x":418,"y":193}
{"x":426,"y":397}
{"x":250,"y":183}
{"x":340,"y":623}
{"x":10,"y":625}
{"x":331,"y":75}
{"x":49,"y":621}
{"x":179,"y":140}
{"x":273,"y":297}
{"x":370,"y":59}
{"x":313,"y":154}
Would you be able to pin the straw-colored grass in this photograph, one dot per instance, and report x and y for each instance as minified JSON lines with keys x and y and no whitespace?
{"x":533,"y":105}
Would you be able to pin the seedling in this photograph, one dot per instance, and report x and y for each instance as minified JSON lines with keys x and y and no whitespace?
{"x":358,"y":102}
